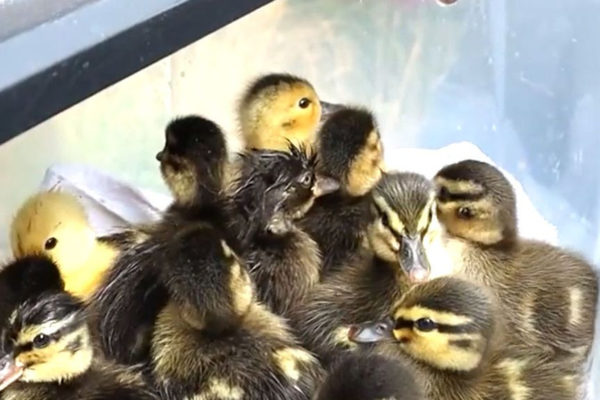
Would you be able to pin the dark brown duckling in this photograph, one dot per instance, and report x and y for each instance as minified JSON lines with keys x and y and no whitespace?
{"x":213,"y":340}
{"x":365,"y":376}
{"x":370,"y":284}
{"x":350,"y":151}
{"x":454,"y":334}
{"x":47,"y":354}
{"x":273,"y":190}
{"x":126,"y":305}
{"x":549,"y":294}
{"x":280,"y":108}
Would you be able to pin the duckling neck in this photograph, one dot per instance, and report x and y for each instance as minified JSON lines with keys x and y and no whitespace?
{"x":84,"y":282}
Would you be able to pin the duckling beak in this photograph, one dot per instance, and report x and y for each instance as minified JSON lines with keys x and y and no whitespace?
{"x":10,"y":371}
{"x":371,"y":332}
{"x":412,"y":259}
{"x":324,"y":185}
{"x":329,"y":108}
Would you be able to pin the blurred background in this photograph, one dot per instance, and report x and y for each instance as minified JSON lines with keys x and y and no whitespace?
{"x":517,"y":78}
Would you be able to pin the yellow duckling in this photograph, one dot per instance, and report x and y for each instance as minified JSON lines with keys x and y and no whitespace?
{"x":54,"y":223}
{"x":280,"y":108}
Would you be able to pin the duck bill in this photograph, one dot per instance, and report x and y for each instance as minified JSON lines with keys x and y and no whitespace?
{"x":329,"y":108}
{"x":10,"y":371}
{"x":325,"y":185}
{"x":413,"y":261}
{"x":371,"y":332}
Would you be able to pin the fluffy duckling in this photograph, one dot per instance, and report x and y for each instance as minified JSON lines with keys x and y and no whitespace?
{"x":549,"y":294}
{"x":281,"y":108}
{"x":351,"y":153}
{"x":47,"y":354}
{"x":450,"y":330}
{"x":213,"y":340}
{"x":370,"y":377}
{"x":273,"y":190}
{"x":54,"y":223}
{"x":24,"y":278}
{"x":370,"y":284}
{"x":126,"y":305}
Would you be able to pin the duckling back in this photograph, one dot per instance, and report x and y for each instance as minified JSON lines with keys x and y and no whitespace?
{"x":54,"y":223}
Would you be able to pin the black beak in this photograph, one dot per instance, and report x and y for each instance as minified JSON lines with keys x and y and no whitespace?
{"x":372,"y":332}
{"x":324,"y":185}
{"x":329,"y":108}
{"x":10,"y":371}
{"x":160,"y":156}
{"x":412,"y":259}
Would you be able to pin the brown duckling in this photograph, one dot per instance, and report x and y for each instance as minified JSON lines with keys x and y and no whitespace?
{"x":126,"y":305}
{"x":47,"y":354}
{"x":549,"y":294}
{"x":370,"y":377}
{"x":280,"y":108}
{"x":273,"y":190}
{"x":350,"y":151}
{"x":213,"y":340}
{"x":54,"y":223}
{"x":370,"y":284}
{"x":452,"y":332}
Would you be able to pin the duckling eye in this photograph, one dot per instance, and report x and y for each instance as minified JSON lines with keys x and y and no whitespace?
{"x":303,"y":102}
{"x":425,"y":324}
{"x":385,"y":220}
{"x":50,"y":243}
{"x":465,"y":213}
{"x":41,"y":341}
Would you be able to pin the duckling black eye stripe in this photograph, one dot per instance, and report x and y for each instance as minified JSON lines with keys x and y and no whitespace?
{"x":442,"y":328}
{"x":447,"y":197}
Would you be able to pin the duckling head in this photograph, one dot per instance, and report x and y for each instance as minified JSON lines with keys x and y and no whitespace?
{"x":46,"y":339}
{"x":207,"y":281}
{"x":350,"y":150}
{"x":476,"y":202}
{"x":368,"y":376}
{"x":446,"y":323}
{"x":275,"y":188}
{"x":402,"y":206}
{"x":278,"y":108}
{"x":53,"y":223}
{"x":193,"y":160}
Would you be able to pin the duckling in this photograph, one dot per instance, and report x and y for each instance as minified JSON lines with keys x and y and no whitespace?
{"x":370,"y":377}
{"x":273,"y":190}
{"x":54,"y":223}
{"x":126,"y":305}
{"x":549,"y":294}
{"x":213,"y":340}
{"x":47,"y":354}
{"x":451,"y":332}
{"x":277,"y":108}
{"x":350,"y":152}
{"x":370,"y":284}
{"x":26,"y":277}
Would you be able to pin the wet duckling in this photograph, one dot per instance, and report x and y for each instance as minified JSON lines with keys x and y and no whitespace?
{"x":370,"y":377}
{"x":24,"y":278}
{"x":47,"y":354}
{"x":549,"y":294}
{"x":281,"y":108}
{"x":213,"y":340}
{"x":54,"y":223}
{"x":273,"y":190}
{"x":371,"y":283}
{"x":452,"y":332}
{"x":350,"y":151}
{"x":126,"y":305}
